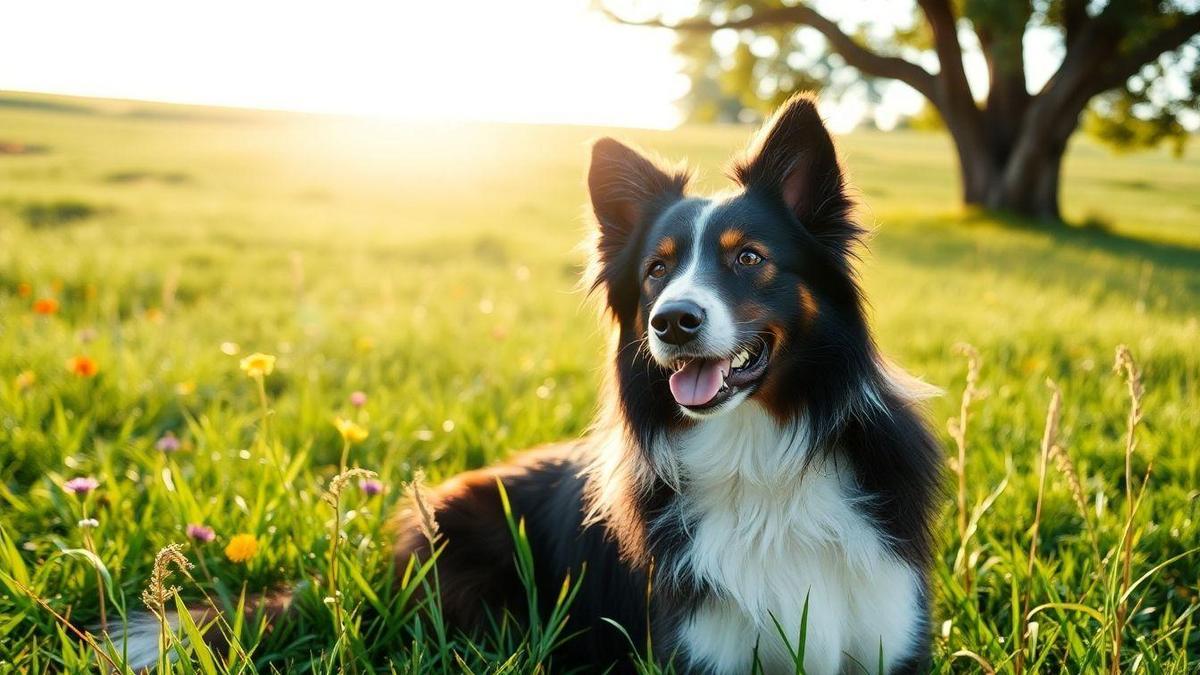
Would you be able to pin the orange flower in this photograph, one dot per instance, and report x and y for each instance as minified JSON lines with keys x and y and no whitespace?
{"x":45,"y":306}
{"x":83,"y":366}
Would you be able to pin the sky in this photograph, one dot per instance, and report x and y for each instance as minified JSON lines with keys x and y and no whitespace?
{"x":539,"y":61}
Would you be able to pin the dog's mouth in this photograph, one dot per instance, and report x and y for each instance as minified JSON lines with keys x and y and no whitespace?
{"x":704,"y":383}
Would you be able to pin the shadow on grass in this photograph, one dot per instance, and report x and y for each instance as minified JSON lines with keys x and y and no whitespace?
{"x":1081,"y":260}
{"x":1094,"y":234}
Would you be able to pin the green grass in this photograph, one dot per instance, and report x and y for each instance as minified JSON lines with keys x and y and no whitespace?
{"x":434,"y":267}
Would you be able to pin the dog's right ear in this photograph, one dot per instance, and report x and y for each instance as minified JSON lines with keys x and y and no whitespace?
{"x":628,"y":191}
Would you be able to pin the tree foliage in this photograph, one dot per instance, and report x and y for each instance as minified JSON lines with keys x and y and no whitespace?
{"x":1130,"y":65}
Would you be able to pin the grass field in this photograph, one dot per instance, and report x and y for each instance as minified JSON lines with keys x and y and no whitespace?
{"x":434,"y":269}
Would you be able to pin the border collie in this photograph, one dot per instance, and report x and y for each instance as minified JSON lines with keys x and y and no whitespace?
{"x":757,"y":470}
{"x":757,"y":461}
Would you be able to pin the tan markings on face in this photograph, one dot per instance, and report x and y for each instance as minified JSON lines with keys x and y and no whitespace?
{"x":731,"y":238}
{"x":809,"y":308}
{"x":666,"y":248}
{"x":768,"y":393}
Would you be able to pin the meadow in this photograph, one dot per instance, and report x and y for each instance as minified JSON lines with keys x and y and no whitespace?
{"x":146,"y":250}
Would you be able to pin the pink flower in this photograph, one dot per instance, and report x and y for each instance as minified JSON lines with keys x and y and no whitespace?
{"x":370,"y":486}
{"x":201,"y":533}
{"x":358,"y":399}
{"x":81,"y":485}
{"x":168,"y":443}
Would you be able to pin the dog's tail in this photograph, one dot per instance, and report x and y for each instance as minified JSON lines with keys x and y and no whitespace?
{"x":138,"y":638}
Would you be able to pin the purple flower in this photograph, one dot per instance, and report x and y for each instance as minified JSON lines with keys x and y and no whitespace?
{"x":358,"y":399}
{"x":201,"y":533}
{"x":81,"y":485}
{"x":168,"y":443}
{"x":370,"y":486}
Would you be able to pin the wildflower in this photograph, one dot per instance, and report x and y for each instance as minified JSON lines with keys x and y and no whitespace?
{"x":83,"y":366}
{"x":370,"y":486}
{"x":24,"y":289}
{"x":168,"y":443}
{"x":25,"y":379}
{"x":88,"y":523}
{"x":241,"y":548}
{"x":45,"y":306}
{"x":258,"y":364}
{"x":81,"y":485}
{"x":358,"y":399}
{"x":200,"y":533}
{"x":351,"y":432}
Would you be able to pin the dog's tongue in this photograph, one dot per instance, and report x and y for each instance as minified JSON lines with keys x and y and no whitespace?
{"x":699,"y":381}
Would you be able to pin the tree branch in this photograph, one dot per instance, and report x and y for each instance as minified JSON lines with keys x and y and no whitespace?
{"x":855,"y":54}
{"x":945,"y":40}
{"x":1118,"y":70}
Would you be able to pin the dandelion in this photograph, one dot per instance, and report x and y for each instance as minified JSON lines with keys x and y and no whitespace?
{"x":258,"y":365}
{"x":370,"y":486}
{"x":168,"y":443}
{"x":45,"y":306}
{"x":81,"y":485}
{"x":25,"y":379}
{"x":83,"y":366}
{"x":351,"y":432}
{"x":241,"y":548}
{"x":200,"y":533}
{"x":358,"y":399}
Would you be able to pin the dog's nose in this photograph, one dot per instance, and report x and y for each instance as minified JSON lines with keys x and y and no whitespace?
{"x":677,"y":322}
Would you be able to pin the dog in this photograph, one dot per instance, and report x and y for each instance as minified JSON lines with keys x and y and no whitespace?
{"x":758,"y":471}
{"x":757,"y":465}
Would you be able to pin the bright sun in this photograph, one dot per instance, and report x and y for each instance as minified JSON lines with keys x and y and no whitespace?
{"x":547,"y":61}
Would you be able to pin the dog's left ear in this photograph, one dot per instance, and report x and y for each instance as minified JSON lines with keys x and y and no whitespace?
{"x":793,"y":159}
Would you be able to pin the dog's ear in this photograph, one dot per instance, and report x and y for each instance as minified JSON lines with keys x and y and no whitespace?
{"x":627,"y":188}
{"x":793,"y":159}
{"x":628,"y":191}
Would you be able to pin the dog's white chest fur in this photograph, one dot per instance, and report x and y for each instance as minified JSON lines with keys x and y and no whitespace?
{"x":767,"y":536}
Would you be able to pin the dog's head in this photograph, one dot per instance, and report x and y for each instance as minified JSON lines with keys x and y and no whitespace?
{"x":735,"y":297}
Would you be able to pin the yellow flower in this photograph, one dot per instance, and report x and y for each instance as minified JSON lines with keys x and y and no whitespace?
{"x":241,"y":548}
{"x":25,"y":380}
{"x":258,"y":364}
{"x":351,"y":432}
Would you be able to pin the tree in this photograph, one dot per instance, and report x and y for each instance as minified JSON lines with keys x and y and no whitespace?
{"x":1135,"y":63}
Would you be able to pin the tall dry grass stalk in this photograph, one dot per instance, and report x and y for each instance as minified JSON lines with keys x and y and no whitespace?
{"x":333,"y":497}
{"x":1049,"y":442}
{"x":159,"y":591}
{"x":425,"y":519}
{"x":1125,"y":365}
{"x":958,"y":431}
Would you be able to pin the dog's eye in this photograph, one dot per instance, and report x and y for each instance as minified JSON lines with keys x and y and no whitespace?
{"x":749,"y":258}
{"x":657,"y":270}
